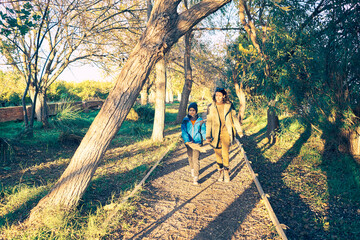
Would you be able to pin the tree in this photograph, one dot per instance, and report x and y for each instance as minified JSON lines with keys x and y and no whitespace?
{"x":160,"y":97}
{"x":18,"y":27}
{"x":237,"y":67}
{"x":310,"y":50}
{"x":144,"y":94}
{"x":64,"y":32}
{"x":188,"y":79}
{"x":164,"y":28}
{"x":188,"y":76}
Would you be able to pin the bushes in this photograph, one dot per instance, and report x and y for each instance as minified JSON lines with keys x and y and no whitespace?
{"x":62,"y":90}
{"x":12,"y":88}
{"x":146,"y":113}
{"x":82,"y":91}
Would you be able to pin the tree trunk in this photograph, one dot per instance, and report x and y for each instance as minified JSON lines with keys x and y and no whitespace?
{"x":169,"y":92}
{"x":169,"y":95}
{"x":44,"y":109}
{"x":242,"y":100}
{"x":354,"y":141}
{"x":28,"y":131}
{"x":164,"y":28}
{"x":179,"y":97}
{"x":272,"y":123}
{"x":188,"y":79}
{"x":144,"y":94}
{"x":41,"y":108}
{"x":160,"y":85}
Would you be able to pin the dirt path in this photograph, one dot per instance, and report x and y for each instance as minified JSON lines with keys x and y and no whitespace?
{"x":171,"y":207}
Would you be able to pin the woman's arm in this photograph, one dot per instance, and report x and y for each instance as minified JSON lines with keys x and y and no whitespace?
{"x":209,"y":120}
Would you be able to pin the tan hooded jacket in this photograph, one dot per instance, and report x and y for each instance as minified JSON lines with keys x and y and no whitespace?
{"x":213,"y":123}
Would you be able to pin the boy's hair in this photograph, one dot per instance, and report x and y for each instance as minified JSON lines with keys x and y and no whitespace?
{"x":194,"y":106}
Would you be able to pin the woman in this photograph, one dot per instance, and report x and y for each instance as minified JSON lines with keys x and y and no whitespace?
{"x":193,"y":132}
{"x":222,"y":126}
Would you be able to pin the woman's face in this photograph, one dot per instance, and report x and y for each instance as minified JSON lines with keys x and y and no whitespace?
{"x":192,"y":112}
{"x":219,"y":97}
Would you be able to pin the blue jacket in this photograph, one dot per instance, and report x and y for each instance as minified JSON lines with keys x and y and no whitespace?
{"x":193,"y":133}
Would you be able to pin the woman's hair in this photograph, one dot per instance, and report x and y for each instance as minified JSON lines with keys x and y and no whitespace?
{"x":222,"y":90}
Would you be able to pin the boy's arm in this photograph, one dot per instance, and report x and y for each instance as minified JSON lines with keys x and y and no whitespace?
{"x":184,"y":133}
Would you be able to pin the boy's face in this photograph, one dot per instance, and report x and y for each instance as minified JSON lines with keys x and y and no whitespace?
{"x":192,"y":112}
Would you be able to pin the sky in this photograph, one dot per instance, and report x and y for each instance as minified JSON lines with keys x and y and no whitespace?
{"x":83,"y":73}
{"x":219,"y":38}
{"x":79,"y":73}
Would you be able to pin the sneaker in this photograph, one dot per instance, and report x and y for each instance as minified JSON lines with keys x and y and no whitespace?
{"x":192,"y":172}
{"x":196,"y":179}
{"x":221,"y":175}
{"x":226,"y":176}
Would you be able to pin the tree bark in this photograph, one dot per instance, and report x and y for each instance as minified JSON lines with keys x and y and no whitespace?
{"x":144,"y":94}
{"x":242,"y":100}
{"x":160,"y":85}
{"x":188,"y":79}
{"x":354,"y":142}
{"x":169,"y":92}
{"x":272,"y":123}
{"x":41,"y":108}
{"x":164,"y":28}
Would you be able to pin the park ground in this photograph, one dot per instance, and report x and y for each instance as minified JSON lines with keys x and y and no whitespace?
{"x":314,"y":193}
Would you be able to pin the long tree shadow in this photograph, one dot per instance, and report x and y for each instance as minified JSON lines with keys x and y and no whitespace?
{"x":171,"y":166}
{"x":235,"y":170}
{"x":288,"y":205}
{"x":148,"y":230}
{"x":228,"y":222}
{"x":101,"y":189}
{"x":22,"y":212}
{"x":235,"y":209}
{"x":99,"y":192}
{"x":167,"y":168}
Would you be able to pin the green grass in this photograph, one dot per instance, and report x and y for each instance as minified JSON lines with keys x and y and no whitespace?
{"x":38,"y":162}
{"x":299,"y":171}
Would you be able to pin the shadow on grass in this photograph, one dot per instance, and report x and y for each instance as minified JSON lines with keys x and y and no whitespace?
{"x":22,"y":213}
{"x":343,"y":179}
{"x":288,"y":205}
{"x":101,"y":189}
